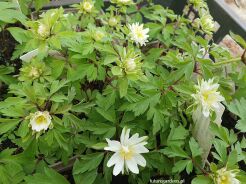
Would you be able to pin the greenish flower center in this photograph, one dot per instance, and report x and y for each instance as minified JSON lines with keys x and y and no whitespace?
{"x":41,"y":120}
{"x":126,"y":153}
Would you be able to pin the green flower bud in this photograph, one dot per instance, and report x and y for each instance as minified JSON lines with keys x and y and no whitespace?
{"x":87,"y":6}
{"x":130,"y":65}
{"x":33,"y":70}
{"x":207,"y":23}
{"x":113,"y":21}
{"x":99,"y":35}
{"x":43,"y":30}
{"x":198,"y":3}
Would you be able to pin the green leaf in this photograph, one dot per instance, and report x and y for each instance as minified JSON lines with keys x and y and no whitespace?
{"x":62,"y":109}
{"x":99,"y":146}
{"x":109,"y":59}
{"x":57,"y":85}
{"x":77,"y":72}
{"x":184,"y":88}
{"x":189,"y":167}
{"x":158,"y":161}
{"x":14,"y":165}
{"x":154,"y":29}
{"x":176,"y":75}
{"x":174,"y":151}
{"x":239,"y":109}
{"x":58,"y":98}
{"x":123,"y":86}
{"x":91,"y":72}
{"x":23,"y":128}
{"x":7,"y":79}
{"x":107,"y":171}
{"x":8,"y":124}
{"x":108,"y":101}
{"x":116,"y":70}
{"x":153,"y":55}
{"x":11,"y":173}
{"x":101,"y":129}
{"x":4,"y":77}
{"x":105,"y":48}
{"x":62,"y":142}
{"x":38,"y":4}
{"x":220,"y":147}
{"x":194,"y":147}
{"x":11,"y":15}
{"x":180,"y":165}
{"x":107,"y":114}
{"x":188,"y":69}
{"x":238,"y":39}
{"x":157,"y":120}
{"x":6,"y":5}
{"x":213,"y":167}
{"x":19,"y":34}
{"x":241,"y":125}
{"x":57,"y":67}
{"x":207,"y":70}
{"x":74,"y":121}
{"x":177,"y":135}
{"x":232,"y":159}
{"x":83,"y":107}
{"x":86,"y":178}
{"x":142,"y":103}
{"x":49,"y":176}
{"x":55,"y":43}
{"x":221,"y":132}
{"x":202,"y":180}
{"x":87,"y":163}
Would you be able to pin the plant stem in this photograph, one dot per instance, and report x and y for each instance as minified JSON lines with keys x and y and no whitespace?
{"x":199,"y":167}
{"x":227,"y":61}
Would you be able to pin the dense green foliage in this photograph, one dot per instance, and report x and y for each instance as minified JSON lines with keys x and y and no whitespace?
{"x":78,"y":69}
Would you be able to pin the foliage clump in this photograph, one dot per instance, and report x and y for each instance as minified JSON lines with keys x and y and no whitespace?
{"x":89,"y":76}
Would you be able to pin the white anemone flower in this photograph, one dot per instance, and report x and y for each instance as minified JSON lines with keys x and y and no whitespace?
{"x":127,"y":152}
{"x":207,"y":97}
{"x":208,"y":100}
{"x":224,"y":176}
{"x":138,"y":34}
{"x":40,"y":121}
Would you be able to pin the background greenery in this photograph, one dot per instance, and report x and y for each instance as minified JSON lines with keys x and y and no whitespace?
{"x":79,"y":84}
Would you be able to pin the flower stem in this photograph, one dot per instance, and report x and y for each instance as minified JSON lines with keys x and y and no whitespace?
{"x":199,"y":167}
{"x":227,"y":61}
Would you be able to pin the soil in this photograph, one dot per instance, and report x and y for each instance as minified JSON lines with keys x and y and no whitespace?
{"x":6,"y":47}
